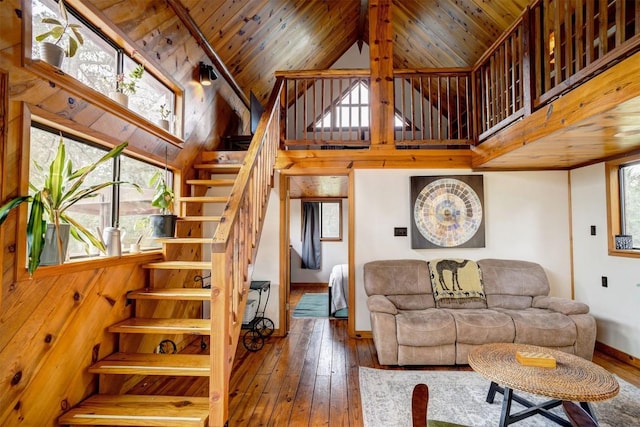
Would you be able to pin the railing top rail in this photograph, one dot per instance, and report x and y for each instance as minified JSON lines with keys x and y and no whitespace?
{"x":323,"y":74}
{"x":232,"y":208}
{"x":457,"y":71}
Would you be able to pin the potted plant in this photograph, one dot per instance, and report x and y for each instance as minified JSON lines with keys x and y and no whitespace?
{"x":127,"y":85}
{"x":48,"y":220}
{"x":164,"y":117}
{"x":163,"y":224}
{"x":59,"y":29}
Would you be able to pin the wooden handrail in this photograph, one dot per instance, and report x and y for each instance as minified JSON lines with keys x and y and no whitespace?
{"x":234,"y":248}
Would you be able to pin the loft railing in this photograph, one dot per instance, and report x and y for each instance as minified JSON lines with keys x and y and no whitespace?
{"x":553,"y":47}
{"x":329,"y":109}
{"x":433,"y":107}
{"x":234,"y":248}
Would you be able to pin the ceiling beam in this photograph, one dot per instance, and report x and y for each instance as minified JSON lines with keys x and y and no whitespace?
{"x":190,"y":24}
{"x":364,"y":9}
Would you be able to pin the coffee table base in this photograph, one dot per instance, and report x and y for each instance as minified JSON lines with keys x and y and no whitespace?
{"x":507,"y":418}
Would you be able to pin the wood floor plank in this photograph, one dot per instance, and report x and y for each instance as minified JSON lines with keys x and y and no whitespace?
{"x":310,"y":377}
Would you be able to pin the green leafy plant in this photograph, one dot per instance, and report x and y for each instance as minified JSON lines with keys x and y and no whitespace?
{"x":62,"y":189}
{"x":60,"y":29}
{"x":128,"y":85}
{"x":164,"y":196}
{"x":165,"y":112}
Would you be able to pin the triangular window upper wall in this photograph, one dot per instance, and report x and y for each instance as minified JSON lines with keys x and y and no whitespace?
{"x":351,"y":111}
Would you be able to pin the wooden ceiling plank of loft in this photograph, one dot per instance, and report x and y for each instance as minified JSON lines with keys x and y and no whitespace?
{"x":381,"y":64}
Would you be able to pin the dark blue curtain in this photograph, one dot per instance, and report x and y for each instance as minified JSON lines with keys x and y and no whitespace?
{"x":311,"y":235}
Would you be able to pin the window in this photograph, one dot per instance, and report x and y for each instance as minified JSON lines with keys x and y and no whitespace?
{"x":132,"y":210}
{"x":351,"y":111}
{"x":623,"y":203}
{"x":330,"y":218}
{"x":99,"y":60}
{"x":630,"y":201}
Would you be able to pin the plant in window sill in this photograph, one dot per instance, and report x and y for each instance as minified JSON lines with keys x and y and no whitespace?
{"x":165,"y":113}
{"x":163,"y":225}
{"x":49,"y":224}
{"x":60,"y":29}
{"x":127,"y":85}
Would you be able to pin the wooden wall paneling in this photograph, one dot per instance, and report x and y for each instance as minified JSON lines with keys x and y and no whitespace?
{"x":4,"y":118}
{"x":62,"y":339}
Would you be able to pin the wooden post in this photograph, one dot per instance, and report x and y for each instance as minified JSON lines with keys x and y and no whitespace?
{"x":381,"y":62}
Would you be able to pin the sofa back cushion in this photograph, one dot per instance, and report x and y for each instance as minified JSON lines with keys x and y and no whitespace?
{"x":405,"y":282}
{"x":512,"y":284}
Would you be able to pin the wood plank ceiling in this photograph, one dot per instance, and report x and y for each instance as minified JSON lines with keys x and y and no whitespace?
{"x":256,"y":38}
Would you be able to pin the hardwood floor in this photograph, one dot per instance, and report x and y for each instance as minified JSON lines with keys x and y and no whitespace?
{"x":308,"y":378}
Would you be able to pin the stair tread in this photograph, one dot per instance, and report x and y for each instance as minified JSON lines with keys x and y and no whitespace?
{"x":211,"y":182}
{"x":184,"y":240}
{"x":179,"y":265}
{"x":202,"y":294}
{"x":154,"y":364}
{"x":201,"y":218}
{"x":204,"y":199}
{"x":219,"y":167}
{"x":140,"y":325}
{"x":139,"y":410}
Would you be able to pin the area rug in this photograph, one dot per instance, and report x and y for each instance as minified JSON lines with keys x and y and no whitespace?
{"x":312,"y":305}
{"x":459,"y":397}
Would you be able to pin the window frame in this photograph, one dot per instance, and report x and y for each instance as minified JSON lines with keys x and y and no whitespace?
{"x":615,"y":206}
{"x":103,"y":101}
{"x":321,"y":201}
{"x":75,"y":264}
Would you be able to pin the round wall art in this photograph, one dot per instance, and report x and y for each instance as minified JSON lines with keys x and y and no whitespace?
{"x":447,"y":211}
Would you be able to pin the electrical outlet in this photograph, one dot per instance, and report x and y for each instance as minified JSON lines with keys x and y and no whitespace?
{"x":400,"y":231}
{"x":605,"y":282}
{"x":593,"y":230}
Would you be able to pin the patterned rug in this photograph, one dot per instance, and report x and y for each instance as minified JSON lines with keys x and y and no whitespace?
{"x":459,"y":397}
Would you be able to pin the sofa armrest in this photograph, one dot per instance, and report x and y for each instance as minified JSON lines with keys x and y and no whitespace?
{"x":560,"y":305}
{"x":380,"y":303}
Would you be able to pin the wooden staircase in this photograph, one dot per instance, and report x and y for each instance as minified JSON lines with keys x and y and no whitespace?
{"x":112,"y":407}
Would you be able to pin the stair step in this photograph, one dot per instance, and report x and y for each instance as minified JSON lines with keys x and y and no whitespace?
{"x":200,"y":218}
{"x":211,"y":182}
{"x":194,"y":365}
{"x":219,"y":167}
{"x":179,"y":265}
{"x":137,"y":410}
{"x":204,"y":199}
{"x":183,"y":240}
{"x":181,"y":294}
{"x":138,"y":325}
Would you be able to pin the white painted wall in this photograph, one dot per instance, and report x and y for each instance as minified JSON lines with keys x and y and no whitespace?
{"x":617,"y":307}
{"x":332,"y":252}
{"x":267,"y":265}
{"x":526,"y":217}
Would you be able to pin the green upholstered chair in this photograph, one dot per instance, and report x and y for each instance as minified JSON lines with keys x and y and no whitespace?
{"x":419,"y":404}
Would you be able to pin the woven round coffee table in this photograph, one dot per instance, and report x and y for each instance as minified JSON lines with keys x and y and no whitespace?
{"x":573,"y":378}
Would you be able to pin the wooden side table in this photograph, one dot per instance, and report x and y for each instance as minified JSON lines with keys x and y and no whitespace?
{"x":573,"y":378}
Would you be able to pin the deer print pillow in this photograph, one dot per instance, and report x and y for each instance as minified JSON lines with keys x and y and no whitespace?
{"x":456,"y":281}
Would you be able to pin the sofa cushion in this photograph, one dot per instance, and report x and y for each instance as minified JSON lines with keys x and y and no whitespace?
{"x":430,"y":327}
{"x":405,"y":278}
{"x":512,"y":284}
{"x":542,"y":327}
{"x":480,"y":326}
{"x":456,"y":283}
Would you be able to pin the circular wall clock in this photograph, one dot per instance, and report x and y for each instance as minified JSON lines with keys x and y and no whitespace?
{"x":448,"y":212}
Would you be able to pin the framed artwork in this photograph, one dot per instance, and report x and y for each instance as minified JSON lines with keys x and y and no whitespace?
{"x":447,"y":212}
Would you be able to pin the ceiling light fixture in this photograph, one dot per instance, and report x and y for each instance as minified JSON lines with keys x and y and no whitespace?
{"x":206,"y":74}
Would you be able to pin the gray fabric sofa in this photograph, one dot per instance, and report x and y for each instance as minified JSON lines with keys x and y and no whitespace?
{"x":409,"y":328}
